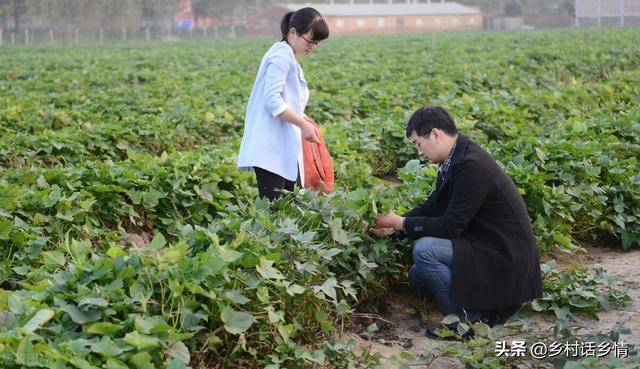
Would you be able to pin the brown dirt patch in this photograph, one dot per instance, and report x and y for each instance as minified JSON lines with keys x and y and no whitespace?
{"x":406,"y":316}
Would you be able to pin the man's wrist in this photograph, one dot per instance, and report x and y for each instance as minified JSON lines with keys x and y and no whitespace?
{"x":400,"y":224}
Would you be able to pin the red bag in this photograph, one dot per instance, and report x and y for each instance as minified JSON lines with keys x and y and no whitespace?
{"x":318,"y":165}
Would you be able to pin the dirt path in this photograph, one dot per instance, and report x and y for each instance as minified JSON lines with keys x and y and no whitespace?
{"x":402,"y":326}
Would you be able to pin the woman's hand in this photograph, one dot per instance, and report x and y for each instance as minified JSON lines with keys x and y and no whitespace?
{"x":307,"y":127}
{"x":309,"y":130}
{"x":306,"y":117}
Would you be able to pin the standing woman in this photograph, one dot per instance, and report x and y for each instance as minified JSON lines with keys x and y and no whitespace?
{"x":275,"y":121}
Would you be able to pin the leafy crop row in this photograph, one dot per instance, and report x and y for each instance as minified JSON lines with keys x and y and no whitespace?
{"x":129,"y":239}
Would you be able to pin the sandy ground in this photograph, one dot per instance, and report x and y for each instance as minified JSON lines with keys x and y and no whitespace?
{"x":402,"y":324}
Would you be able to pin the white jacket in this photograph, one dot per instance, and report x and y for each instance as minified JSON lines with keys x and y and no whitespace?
{"x":269,"y":142}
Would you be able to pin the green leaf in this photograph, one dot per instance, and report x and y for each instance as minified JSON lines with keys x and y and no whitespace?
{"x":305,"y":237}
{"x":79,"y":250}
{"x":107,"y":348}
{"x":538,"y":305}
{"x":628,"y":239}
{"x":142,"y":360}
{"x":53,"y":259}
{"x":548,"y":266}
{"x":158,"y":242}
{"x":5,"y":228}
{"x":563,"y":240}
{"x":26,"y":353}
{"x":329,"y":254}
{"x":593,"y":171}
{"x":173,"y":254}
{"x":151,"y":324}
{"x":236,"y":297}
{"x":274,"y":316}
{"x":462,"y":328}
{"x":116,"y":252}
{"x":51,"y":199}
{"x":139,"y":293}
{"x":179,"y":351}
{"x":371,"y":329}
{"x":579,"y":302}
{"x":267,"y":271}
{"x":295,"y":289}
{"x":285,"y":331}
{"x":150,"y":198}
{"x":339,"y":235}
{"x":38,"y":320}
{"x":80,"y":317}
{"x":141,"y":341}
{"x":263,"y":294}
{"x":451,"y":319}
{"x":329,"y":288}
{"x":229,"y":255}
{"x":95,"y":301}
{"x":177,"y":364}
{"x":82,"y":363}
{"x":541,"y":155}
{"x":236,"y":322}
{"x":116,"y":364}
{"x":561,"y":312}
{"x":103,"y":328}
{"x":203,"y":193}
{"x":16,"y":305}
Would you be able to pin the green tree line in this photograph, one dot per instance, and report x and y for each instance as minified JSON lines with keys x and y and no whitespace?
{"x":93,"y":14}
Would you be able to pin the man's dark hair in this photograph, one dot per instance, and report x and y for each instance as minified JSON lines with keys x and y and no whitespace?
{"x":424,"y":120}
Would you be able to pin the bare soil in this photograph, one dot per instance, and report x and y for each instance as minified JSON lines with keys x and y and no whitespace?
{"x":402,"y":322}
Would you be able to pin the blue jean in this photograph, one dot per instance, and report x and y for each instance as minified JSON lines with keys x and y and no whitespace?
{"x":431,"y":274}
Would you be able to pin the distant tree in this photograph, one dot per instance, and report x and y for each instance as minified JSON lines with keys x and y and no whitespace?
{"x":4,"y":10}
{"x":513,"y":9}
{"x":93,"y":14}
{"x":15,"y":9}
{"x":117,"y":13}
{"x":157,"y":11}
{"x":569,"y":6}
{"x":224,"y":8}
{"x":213,"y":8}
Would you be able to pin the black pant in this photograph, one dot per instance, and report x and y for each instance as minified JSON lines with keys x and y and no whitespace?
{"x":269,"y":182}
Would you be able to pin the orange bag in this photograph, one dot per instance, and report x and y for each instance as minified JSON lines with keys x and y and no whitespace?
{"x":318,"y":165}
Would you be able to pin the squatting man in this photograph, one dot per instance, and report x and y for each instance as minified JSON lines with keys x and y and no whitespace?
{"x":475,"y":252}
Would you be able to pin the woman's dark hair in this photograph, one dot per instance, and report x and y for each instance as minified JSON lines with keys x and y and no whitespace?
{"x":305,"y":20}
{"x":424,"y":120}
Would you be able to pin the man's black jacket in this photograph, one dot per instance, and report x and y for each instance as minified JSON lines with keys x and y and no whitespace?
{"x":477,"y":206}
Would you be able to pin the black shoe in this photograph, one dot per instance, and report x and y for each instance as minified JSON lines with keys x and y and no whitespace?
{"x":499,"y":316}
{"x":440,"y":333}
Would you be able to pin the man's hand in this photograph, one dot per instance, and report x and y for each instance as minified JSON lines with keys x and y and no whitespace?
{"x":381,"y":232}
{"x":390,"y":220}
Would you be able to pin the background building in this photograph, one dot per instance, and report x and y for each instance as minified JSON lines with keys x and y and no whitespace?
{"x":353,"y":19}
